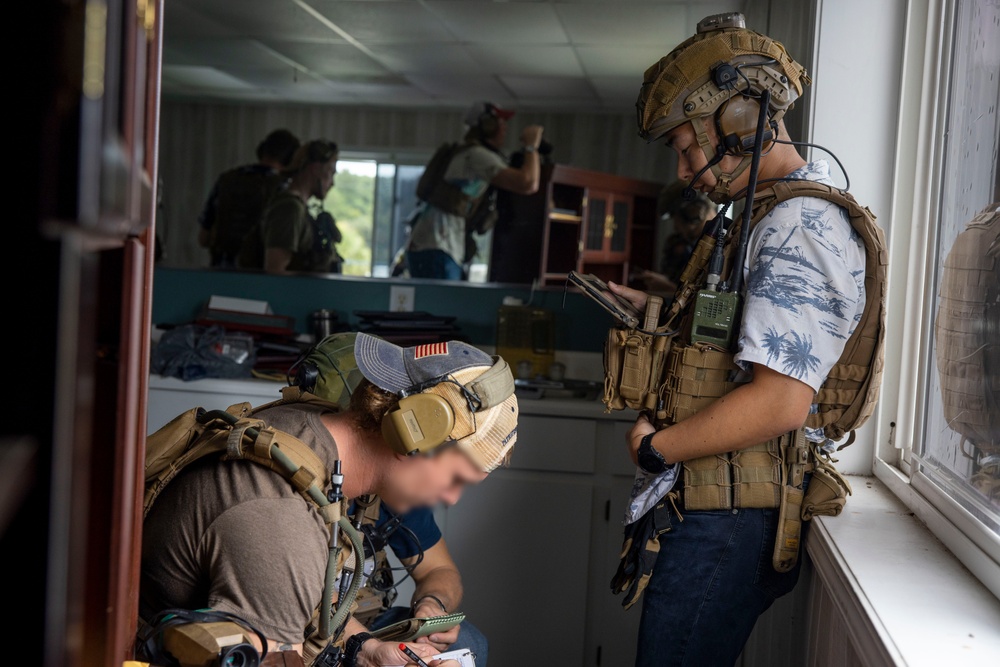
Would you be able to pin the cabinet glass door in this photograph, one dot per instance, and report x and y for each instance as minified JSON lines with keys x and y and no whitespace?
{"x":597,"y":213}
{"x":619,"y":228}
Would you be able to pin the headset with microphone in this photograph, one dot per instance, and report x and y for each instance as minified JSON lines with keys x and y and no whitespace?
{"x":425,"y":419}
{"x":735,"y":121}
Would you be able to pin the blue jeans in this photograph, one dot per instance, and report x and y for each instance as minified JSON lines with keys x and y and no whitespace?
{"x":469,"y":635}
{"x":713,"y":577}
{"x":433,"y":263}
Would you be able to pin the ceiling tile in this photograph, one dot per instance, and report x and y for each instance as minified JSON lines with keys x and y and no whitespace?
{"x":619,"y":60}
{"x":622,"y":90}
{"x":180,"y":20}
{"x":462,"y":90}
{"x":503,"y":22}
{"x":575,"y":54}
{"x":526,"y":87}
{"x":370,"y":22}
{"x":436,"y":59}
{"x":276,"y":19}
{"x":329,"y":60}
{"x":219,"y":53}
{"x":527,"y":60}
{"x":624,"y":24}
{"x":202,"y":77}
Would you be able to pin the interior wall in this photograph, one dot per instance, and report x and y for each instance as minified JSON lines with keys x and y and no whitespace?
{"x":199,"y":140}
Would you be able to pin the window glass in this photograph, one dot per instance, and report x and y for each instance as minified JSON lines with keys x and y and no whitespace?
{"x":960,"y":447}
{"x":352,"y":203}
{"x":372,"y":202}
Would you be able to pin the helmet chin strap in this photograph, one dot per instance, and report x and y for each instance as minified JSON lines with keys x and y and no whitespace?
{"x":723,"y":180}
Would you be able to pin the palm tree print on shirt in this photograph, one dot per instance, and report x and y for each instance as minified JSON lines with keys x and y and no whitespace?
{"x":792,"y":350}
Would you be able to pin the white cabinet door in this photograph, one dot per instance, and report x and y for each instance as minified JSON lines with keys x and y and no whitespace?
{"x":522,"y":542}
{"x":613,"y":630}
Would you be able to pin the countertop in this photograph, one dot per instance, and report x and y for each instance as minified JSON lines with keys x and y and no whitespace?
{"x":251,"y":389}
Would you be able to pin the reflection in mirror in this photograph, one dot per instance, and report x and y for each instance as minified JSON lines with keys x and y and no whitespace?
{"x":371,"y":201}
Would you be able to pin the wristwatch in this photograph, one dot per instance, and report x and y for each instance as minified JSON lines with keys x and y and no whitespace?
{"x":649,"y":458}
{"x":352,"y":647}
{"x":528,"y":148}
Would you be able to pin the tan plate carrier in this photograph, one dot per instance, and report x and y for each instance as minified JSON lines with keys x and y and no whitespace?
{"x":658,"y":371}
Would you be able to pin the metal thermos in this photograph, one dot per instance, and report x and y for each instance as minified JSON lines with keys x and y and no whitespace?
{"x":322,"y":323}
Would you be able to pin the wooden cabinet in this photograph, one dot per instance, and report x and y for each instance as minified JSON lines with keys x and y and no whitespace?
{"x":581,"y":220}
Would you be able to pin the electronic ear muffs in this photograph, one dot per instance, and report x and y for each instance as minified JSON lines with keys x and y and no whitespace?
{"x":425,"y":420}
{"x":421,"y":423}
{"x":736,"y":122}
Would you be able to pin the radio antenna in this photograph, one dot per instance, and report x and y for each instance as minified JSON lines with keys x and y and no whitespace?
{"x":758,"y":139}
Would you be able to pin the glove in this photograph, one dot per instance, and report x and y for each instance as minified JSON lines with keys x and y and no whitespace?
{"x":639,"y":552}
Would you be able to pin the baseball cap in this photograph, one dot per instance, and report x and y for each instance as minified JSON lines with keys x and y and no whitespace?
{"x":485,"y":434}
{"x":478,"y":109}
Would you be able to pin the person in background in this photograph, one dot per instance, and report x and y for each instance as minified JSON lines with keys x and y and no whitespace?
{"x":438,"y":244}
{"x":239,"y":195}
{"x":288,"y":238}
{"x":689,"y":216}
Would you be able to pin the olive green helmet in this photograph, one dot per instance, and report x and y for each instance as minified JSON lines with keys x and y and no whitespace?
{"x":328,"y":369}
{"x":713,"y":74}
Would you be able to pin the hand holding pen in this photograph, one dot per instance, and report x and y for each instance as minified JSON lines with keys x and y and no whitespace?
{"x":417,"y":660}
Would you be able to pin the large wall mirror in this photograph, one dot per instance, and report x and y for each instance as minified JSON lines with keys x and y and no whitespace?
{"x":388,"y":82}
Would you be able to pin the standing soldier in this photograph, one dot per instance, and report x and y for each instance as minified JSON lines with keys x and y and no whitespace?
{"x":735,"y":428}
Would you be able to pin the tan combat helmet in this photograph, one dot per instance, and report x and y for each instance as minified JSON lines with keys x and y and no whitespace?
{"x":720,"y":72}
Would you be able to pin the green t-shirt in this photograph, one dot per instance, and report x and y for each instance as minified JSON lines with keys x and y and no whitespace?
{"x":286,"y":224}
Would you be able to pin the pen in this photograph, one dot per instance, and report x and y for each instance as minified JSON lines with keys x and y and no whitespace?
{"x":412,"y":656}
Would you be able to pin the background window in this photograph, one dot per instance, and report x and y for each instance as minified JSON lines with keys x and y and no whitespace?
{"x":352,"y":203}
{"x":959,"y":451}
{"x":372,"y":202}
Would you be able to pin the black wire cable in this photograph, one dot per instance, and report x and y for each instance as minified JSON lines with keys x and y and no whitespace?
{"x":395,"y":523}
{"x":825,"y":150}
{"x":737,"y":280}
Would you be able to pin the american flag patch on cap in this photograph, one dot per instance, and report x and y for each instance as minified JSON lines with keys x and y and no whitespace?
{"x":430,"y":350}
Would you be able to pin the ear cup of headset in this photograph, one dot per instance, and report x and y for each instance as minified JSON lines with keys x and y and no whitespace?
{"x":420,"y":423}
{"x":736,"y":122}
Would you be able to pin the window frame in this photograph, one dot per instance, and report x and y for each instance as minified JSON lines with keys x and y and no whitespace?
{"x":916,"y":201}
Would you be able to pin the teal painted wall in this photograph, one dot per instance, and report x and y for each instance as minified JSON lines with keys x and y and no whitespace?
{"x":179,"y":295}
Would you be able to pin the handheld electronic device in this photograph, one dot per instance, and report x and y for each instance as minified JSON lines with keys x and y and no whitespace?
{"x":599,"y":291}
{"x":715,"y":318}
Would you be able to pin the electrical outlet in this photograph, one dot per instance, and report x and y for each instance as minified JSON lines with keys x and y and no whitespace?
{"x":401,"y":298}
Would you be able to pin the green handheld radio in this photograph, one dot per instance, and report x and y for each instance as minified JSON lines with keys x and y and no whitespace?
{"x":715,"y":317}
{"x":715,"y":312}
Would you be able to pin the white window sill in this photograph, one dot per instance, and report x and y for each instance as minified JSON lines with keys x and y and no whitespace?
{"x":904,"y":598}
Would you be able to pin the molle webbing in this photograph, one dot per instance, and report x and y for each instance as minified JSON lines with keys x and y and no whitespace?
{"x":696,"y":375}
{"x":749,"y":477}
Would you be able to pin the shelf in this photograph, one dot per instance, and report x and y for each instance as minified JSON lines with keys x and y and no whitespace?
{"x":563,"y":217}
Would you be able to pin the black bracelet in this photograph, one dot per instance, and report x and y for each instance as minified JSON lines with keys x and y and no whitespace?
{"x":426,"y":596}
{"x":352,"y":647}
